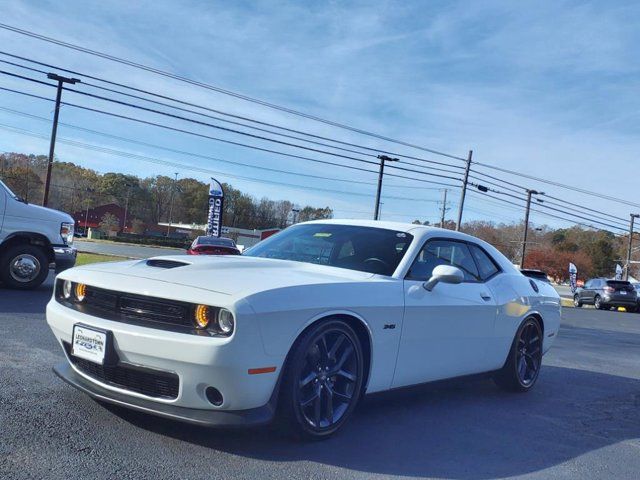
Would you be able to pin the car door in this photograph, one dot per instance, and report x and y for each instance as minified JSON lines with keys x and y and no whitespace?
{"x":446,"y":331}
{"x":586,"y":294}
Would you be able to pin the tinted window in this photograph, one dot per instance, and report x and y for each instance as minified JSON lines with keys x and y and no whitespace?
{"x":486,"y":266}
{"x":443,"y":252}
{"x":366,"y":249}
{"x":618,"y":283}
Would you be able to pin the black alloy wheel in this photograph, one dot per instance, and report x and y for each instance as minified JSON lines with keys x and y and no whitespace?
{"x":323,"y":382}
{"x":521,"y":370}
{"x":529,"y":356}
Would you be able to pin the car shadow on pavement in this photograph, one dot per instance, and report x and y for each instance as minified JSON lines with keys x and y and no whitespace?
{"x":26,"y":301}
{"x":458,"y":430}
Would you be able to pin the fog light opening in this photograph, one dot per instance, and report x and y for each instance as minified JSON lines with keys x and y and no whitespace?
{"x":214,"y":396}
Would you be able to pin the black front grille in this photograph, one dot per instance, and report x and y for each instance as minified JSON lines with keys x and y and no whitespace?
{"x":146,"y":381}
{"x":137,"y":309}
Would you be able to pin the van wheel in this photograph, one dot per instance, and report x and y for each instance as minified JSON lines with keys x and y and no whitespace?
{"x":24,"y":267}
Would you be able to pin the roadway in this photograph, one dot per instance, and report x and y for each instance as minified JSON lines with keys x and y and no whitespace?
{"x":125,"y":249}
{"x":580,"y":422}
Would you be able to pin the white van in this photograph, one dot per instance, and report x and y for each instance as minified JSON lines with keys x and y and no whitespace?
{"x":32,"y":238}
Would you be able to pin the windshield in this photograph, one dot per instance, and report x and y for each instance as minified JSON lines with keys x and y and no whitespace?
{"x":366,"y":249}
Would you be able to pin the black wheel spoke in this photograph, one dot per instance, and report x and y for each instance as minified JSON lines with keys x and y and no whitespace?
{"x":329,"y":395}
{"x":317,"y":409}
{"x":309,"y":400}
{"x":345,"y":356}
{"x":344,"y":374}
{"x":344,"y":397}
{"x":308,"y":379}
{"x":336,"y":345}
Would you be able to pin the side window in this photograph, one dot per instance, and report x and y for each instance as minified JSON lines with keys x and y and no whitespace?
{"x":588,"y":284}
{"x":486,"y":265}
{"x":443,"y":252}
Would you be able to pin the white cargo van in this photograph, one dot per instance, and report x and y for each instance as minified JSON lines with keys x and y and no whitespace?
{"x":32,"y":238}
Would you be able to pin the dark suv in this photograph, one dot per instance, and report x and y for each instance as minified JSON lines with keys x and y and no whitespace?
{"x":605,"y":294}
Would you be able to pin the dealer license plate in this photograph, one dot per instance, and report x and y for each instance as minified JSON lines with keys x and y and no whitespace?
{"x":89,"y":344}
{"x":623,"y":292}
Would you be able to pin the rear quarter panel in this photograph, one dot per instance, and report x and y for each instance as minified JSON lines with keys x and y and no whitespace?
{"x":516,"y":300}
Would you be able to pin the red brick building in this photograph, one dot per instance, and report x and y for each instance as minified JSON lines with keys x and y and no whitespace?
{"x":92,"y":217}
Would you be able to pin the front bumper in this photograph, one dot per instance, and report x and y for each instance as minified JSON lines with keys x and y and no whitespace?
{"x":208,"y":418}
{"x":64,"y":257}
{"x":198,"y":362}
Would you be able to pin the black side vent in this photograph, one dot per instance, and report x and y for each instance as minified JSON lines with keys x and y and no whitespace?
{"x":159,"y":263}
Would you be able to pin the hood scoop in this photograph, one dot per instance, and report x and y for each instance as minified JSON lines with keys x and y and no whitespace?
{"x":161,"y":263}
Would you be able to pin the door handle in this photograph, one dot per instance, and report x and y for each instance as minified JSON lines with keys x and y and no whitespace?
{"x":485,"y":296}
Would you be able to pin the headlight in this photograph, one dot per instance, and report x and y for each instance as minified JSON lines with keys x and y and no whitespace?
{"x":66,"y":232}
{"x":217,"y":320}
{"x":67,"y":289}
{"x":80,"y":291}
{"x":202,"y":316}
{"x":225,"y":321}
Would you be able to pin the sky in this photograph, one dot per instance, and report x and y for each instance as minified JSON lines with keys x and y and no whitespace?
{"x":548,"y":89}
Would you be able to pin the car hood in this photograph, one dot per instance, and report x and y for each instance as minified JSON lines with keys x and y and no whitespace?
{"x":230,"y":275}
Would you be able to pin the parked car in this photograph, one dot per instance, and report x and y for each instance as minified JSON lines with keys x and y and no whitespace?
{"x":301,"y":325}
{"x":32,"y":238}
{"x":204,"y":245}
{"x":537,"y":274}
{"x":605,"y":294}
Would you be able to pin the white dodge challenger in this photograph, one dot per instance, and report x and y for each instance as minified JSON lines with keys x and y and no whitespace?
{"x":300,"y":326}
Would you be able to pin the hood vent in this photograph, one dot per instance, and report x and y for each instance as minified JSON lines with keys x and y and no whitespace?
{"x":160,"y":263}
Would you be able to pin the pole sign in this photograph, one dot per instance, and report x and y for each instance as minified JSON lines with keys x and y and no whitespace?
{"x":216,"y":200}
{"x":618,"y":271}
{"x":573,"y":277}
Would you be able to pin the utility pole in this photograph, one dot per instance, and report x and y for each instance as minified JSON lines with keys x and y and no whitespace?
{"x":526,"y":224}
{"x":173,"y":191}
{"x":632,"y":218}
{"x":383,"y":158}
{"x":444,"y":207}
{"x":54,"y":130}
{"x":463,"y":194}
{"x":126,"y":208}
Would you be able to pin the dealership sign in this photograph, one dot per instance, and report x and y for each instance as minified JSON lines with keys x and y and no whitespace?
{"x":216,"y":200}
{"x":573,"y":277}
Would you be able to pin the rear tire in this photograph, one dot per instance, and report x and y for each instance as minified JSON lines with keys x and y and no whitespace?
{"x":322,"y":381}
{"x":24,"y":267}
{"x":520,"y":371}
{"x":597,"y":302}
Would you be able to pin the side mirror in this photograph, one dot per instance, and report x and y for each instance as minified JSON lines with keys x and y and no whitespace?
{"x":444,"y":274}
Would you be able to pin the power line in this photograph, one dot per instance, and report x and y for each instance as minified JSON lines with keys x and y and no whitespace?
{"x":561,"y":185}
{"x":173,"y":99}
{"x":207,"y":157}
{"x":221,"y":90}
{"x":205,"y":124}
{"x":194,"y":168}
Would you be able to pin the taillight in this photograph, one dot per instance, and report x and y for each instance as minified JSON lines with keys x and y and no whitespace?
{"x":609,"y":289}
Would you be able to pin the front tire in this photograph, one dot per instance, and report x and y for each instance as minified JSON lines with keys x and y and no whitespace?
{"x":520,"y":371}
{"x":576,"y":301}
{"x":322,"y":380}
{"x":24,"y":267}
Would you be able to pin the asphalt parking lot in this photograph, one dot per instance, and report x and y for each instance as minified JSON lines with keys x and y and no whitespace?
{"x":581,"y":421}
